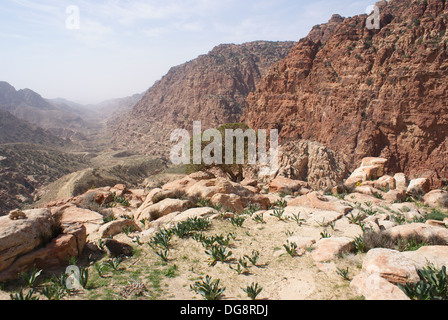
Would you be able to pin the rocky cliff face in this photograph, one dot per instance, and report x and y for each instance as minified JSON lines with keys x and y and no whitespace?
{"x":367,"y":92}
{"x":211,"y":89}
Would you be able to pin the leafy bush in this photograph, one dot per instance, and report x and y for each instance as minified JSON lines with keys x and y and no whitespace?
{"x":253,"y":291}
{"x":218,"y":253}
{"x":433,"y":285}
{"x":370,"y":240}
{"x":209,"y":288}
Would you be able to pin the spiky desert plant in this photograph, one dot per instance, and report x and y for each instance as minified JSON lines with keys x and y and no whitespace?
{"x":30,"y":278}
{"x":433,"y":285}
{"x":208,"y":288}
{"x":161,"y":238}
{"x":113,"y":263}
{"x":297,"y":219}
{"x":163,"y":254}
{"x":20,"y":296}
{"x":237,"y":221}
{"x":241,"y":267}
{"x":254,"y":257}
{"x":290,"y":248}
{"x":253,"y":291}
{"x":343,"y":273}
{"x":278,"y":213}
{"x":217,"y":254}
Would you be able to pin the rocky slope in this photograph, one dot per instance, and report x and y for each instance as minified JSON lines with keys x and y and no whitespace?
{"x":302,"y":246}
{"x":211,"y":89}
{"x":367,"y":92}
{"x":24,"y":168}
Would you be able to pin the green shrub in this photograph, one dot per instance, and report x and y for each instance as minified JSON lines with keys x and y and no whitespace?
{"x":209,"y":288}
{"x":433,"y":285}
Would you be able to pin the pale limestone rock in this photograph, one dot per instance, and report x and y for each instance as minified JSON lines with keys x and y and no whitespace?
{"x":391,"y":265}
{"x":328,"y":249}
{"x":374,"y":287}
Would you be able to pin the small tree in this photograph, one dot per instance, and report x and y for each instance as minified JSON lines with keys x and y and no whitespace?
{"x":217,"y":151}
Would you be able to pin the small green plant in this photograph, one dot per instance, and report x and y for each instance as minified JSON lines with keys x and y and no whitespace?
{"x":171,"y":272}
{"x":253,"y":259}
{"x":343,"y":273}
{"x":281,"y":204}
{"x":324,"y":235}
{"x":137,"y":240}
{"x":61,"y":282}
{"x":242,"y":266}
{"x":355,"y":219}
{"x":118,"y":201}
{"x":113,"y":263}
{"x":297,"y":219}
{"x":399,"y":219}
{"x":278,"y":213}
{"x":237,"y":221}
{"x":186,"y":228}
{"x":20,"y":296}
{"x":433,"y":285}
{"x":161,"y":238}
{"x":360,"y":244}
{"x":30,"y":278}
{"x":163,"y":254}
{"x":83,"y":277}
{"x":54,"y":292}
{"x":209,"y":289}
{"x":251,"y":208}
{"x":290,"y":248}
{"x":99,"y":267}
{"x":128,"y":230}
{"x":258,"y":218}
{"x":253,"y":291}
{"x":110,"y":218}
{"x":218,"y":253}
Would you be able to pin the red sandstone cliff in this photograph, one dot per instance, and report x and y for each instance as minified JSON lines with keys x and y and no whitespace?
{"x":367,"y":92}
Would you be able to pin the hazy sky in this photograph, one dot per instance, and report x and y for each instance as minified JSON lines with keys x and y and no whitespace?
{"x":123,"y":46}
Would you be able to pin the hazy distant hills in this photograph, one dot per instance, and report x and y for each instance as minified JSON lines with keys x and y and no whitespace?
{"x":14,"y":130}
{"x":30,"y":106}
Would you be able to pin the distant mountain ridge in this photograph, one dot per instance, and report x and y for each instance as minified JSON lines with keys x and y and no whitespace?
{"x":14,"y":130}
{"x":30,"y":106}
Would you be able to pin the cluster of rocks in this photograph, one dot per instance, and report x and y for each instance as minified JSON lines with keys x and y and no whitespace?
{"x":47,"y":237}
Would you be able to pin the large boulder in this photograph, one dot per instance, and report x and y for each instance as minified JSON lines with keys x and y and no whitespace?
{"x":116,"y":227}
{"x":330,"y":248}
{"x":374,"y":287}
{"x":370,"y":169}
{"x":418,"y":230}
{"x":282,"y":185}
{"x":419,"y":186}
{"x":391,"y":265}
{"x":435,"y":255}
{"x":52,"y":252}
{"x":436,"y":199}
{"x":69,"y":214}
{"x":317,"y":201}
{"x":18,"y":237}
{"x":160,"y":209}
